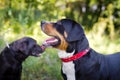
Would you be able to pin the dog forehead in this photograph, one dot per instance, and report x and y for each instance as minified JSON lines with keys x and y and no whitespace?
{"x":73,"y":29}
{"x":27,"y":40}
{"x":67,"y":24}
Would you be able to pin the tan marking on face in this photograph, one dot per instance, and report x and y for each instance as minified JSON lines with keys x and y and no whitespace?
{"x":51,"y":31}
{"x":65,"y":34}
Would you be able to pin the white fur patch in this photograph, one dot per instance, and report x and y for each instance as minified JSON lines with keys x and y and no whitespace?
{"x":68,"y":68}
{"x":64,"y":54}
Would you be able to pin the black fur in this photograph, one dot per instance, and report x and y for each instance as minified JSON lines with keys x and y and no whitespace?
{"x":93,"y":66}
{"x":11,"y":58}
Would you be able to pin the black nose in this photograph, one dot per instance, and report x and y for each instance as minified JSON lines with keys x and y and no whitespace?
{"x":42,"y":23}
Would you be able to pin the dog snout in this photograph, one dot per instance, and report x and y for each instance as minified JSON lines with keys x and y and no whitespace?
{"x":42,"y":23}
{"x":40,"y":48}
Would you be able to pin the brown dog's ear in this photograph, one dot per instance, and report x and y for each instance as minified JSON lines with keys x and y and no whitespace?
{"x":73,"y":29}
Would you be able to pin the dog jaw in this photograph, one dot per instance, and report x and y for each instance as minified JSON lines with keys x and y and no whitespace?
{"x":51,"y":31}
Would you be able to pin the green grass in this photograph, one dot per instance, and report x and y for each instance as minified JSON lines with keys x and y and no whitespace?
{"x":46,"y":67}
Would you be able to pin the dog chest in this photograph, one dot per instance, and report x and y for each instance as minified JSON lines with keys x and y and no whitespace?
{"x":68,"y":68}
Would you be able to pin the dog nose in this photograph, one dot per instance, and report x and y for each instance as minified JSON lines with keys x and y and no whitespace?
{"x":43,"y":22}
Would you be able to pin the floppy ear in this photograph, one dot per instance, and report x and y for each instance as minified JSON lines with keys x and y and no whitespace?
{"x":75,"y":33}
{"x":23,"y":47}
{"x":20,"y":45}
{"x":73,"y":29}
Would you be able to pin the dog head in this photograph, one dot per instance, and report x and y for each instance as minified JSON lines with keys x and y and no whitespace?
{"x":26,"y":47}
{"x":65,"y":33}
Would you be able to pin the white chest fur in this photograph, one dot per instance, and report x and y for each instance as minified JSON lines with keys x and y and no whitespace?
{"x":68,"y":68}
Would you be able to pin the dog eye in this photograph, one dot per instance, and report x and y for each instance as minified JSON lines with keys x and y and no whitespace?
{"x":34,"y":45}
{"x":56,"y":25}
{"x":59,"y":23}
{"x":59,"y":28}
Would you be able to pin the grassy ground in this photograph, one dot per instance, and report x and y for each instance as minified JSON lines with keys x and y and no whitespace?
{"x":46,"y":67}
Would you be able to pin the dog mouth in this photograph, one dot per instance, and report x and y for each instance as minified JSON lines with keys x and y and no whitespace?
{"x":38,"y":51}
{"x":36,"y":54}
{"x":54,"y":41}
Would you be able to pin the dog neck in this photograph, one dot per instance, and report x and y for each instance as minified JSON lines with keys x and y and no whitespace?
{"x":76,"y":56}
{"x":64,"y":54}
{"x":75,"y":49}
{"x":81,"y":45}
{"x":16,"y":55}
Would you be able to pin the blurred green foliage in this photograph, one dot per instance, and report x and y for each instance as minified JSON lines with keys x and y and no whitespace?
{"x":25,"y":13}
{"x":18,"y":18}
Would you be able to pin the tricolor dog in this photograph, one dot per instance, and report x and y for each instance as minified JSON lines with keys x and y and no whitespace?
{"x":79,"y":61}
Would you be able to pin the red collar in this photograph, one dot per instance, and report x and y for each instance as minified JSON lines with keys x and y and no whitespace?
{"x":76,"y":56}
